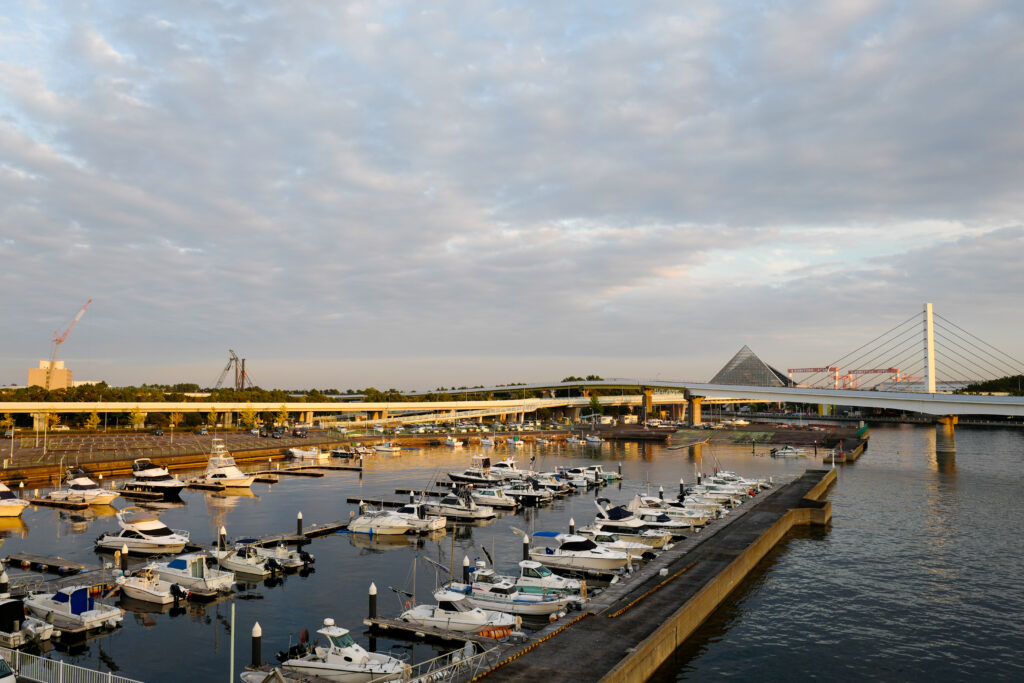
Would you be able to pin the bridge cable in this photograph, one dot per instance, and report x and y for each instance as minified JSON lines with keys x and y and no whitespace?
{"x":976,"y":363}
{"x":975,"y":348}
{"x":1015,"y":360}
{"x":858,"y":359}
{"x":836,"y":362}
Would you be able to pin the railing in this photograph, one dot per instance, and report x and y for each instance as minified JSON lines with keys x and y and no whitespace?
{"x":42,"y":670}
{"x":464,"y":663}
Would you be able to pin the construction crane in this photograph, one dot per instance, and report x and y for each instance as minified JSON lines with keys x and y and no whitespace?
{"x":241,"y":376}
{"x":832,"y":370}
{"x":58,"y":339}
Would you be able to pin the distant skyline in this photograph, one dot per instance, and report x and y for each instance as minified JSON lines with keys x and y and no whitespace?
{"x":411,"y":195}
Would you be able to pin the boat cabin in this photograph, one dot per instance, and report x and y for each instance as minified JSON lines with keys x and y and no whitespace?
{"x":75,"y":599}
{"x":196,"y":566}
{"x":12,"y":615}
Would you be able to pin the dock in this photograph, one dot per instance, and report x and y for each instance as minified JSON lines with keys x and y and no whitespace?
{"x":377,"y":501}
{"x":140,"y":495}
{"x":198,"y":485}
{"x":62,"y":504}
{"x":650,"y":614}
{"x":57,"y":565}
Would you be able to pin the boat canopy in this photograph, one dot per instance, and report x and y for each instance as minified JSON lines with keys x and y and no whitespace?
{"x":548,"y":534}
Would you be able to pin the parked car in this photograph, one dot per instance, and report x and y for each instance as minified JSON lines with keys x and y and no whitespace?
{"x":203,"y":430}
{"x":60,"y":428}
{"x":158,"y":432}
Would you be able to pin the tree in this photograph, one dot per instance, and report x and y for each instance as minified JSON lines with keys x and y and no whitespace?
{"x":93,"y":421}
{"x":175,"y":419}
{"x":248,"y":416}
{"x":282,"y":415}
{"x":8,"y":422}
{"x":595,"y":406}
{"x":211,"y":417}
{"x":52,"y":419}
{"x":137,"y":417}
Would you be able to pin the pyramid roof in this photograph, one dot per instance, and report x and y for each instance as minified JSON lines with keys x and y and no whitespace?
{"x":747,"y":369}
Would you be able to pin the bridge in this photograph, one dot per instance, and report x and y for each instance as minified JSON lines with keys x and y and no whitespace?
{"x":892,"y":354}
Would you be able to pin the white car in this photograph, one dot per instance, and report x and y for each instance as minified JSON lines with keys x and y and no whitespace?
{"x":6,"y":675}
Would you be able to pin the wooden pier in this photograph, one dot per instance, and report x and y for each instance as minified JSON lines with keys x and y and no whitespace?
{"x":140,"y":495}
{"x":57,"y":565}
{"x":390,"y":628}
{"x":62,"y":504}
{"x":201,"y":486}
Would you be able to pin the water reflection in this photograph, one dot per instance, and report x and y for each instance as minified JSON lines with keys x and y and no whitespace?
{"x":13,"y":526}
{"x":945,"y":448}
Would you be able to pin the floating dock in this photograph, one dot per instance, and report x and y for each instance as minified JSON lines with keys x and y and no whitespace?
{"x":397,"y":629}
{"x":57,"y":565}
{"x":62,"y":504}
{"x":648,"y":616}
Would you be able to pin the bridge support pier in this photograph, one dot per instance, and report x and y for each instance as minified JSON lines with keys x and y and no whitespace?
{"x":695,"y":404}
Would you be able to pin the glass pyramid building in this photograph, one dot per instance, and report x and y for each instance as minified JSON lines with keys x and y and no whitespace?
{"x":746,"y":369}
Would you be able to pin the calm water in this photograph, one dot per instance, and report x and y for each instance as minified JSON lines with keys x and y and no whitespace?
{"x":917,"y":576}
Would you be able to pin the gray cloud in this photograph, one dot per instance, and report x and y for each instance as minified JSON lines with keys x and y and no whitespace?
{"x":321,"y":182}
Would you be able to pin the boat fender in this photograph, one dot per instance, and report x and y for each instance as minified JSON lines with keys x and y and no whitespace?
{"x":648,"y":555}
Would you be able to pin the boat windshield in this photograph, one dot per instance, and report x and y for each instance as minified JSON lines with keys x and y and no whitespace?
{"x":536,"y":572}
{"x":159,"y":531}
{"x":341,"y":641}
{"x":7,"y":495}
{"x":578,"y":546}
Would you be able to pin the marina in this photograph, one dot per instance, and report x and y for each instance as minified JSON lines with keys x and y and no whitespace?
{"x":258,"y":516}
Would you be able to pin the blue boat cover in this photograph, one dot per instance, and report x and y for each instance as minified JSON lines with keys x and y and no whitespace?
{"x":547,"y":534}
{"x":177,"y":564}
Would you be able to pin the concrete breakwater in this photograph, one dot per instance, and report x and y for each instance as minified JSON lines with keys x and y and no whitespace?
{"x":629,"y":630}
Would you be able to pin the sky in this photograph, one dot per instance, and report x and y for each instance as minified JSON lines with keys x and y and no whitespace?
{"x":413,"y":195}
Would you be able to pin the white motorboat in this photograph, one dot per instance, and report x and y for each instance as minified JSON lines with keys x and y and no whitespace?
{"x":192,"y":572}
{"x":454,"y":613}
{"x":533,"y":578}
{"x":289,"y":559}
{"x":593,"y":440}
{"x":478,"y":473}
{"x":146,"y":585}
{"x":386,"y":447}
{"x":221,"y":469}
{"x":452,"y":442}
{"x":311,"y":454}
{"x":153,"y":478}
{"x":502,"y":596}
{"x":494,"y":497}
{"x":486,"y":441}
{"x":72,"y":608}
{"x":578,"y":553}
{"x":10,"y":504}
{"x":761,"y":484}
{"x":16,"y":629}
{"x":508,"y":469}
{"x":459,"y":506}
{"x":649,"y":537}
{"x":644,"y":504}
{"x":786,"y":452}
{"x":362,"y":450}
{"x":344,"y":661}
{"x":528,"y":493}
{"x":245,"y":560}
{"x":612,"y":541}
{"x":143,"y":533}
{"x":415,"y":515}
{"x":573,"y":440}
{"x":597,"y":473}
{"x":515,"y":442}
{"x":378,"y":523}
{"x":78,"y":487}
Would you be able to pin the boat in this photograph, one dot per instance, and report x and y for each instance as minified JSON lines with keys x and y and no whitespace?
{"x":452,"y":442}
{"x":575,"y":552}
{"x":502,"y":596}
{"x":343,"y":660}
{"x":146,"y":585}
{"x":192,"y":572}
{"x":18,"y":630}
{"x":494,"y":497}
{"x":486,"y":441}
{"x":459,"y":505}
{"x":143,"y":533}
{"x":419,"y":521}
{"x":362,"y":450}
{"x":78,"y":487}
{"x":508,"y":469}
{"x":453,"y":612}
{"x":786,"y":452}
{"x":386,"y":447}
{"x":245,"y":560}
{"x":528,"y":493}
{"x":289,"y":560}
{"x":221,"y":469}
{"x":592,"y":439}
{"x":644,"y":504}
{"x":533,"y":578}
{"x":478,"y":473}
{"x":72,"y":608}
{"x":573,"y":440}
{"x":10,"y":504}
{"x":146,"y":476}
{"x":313,"y":454}
{"x":515,"y":442}
{"x":613,"y":542}
{"x":378,"y":523}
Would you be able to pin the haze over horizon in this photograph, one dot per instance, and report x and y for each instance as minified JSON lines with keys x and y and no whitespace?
{"x":400,"y":195}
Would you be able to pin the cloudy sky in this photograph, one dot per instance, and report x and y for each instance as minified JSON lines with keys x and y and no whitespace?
{"x":418,"y":194}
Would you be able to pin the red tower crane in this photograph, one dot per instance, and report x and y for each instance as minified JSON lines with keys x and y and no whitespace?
{"x":58,"y":339}
{"x":831,"y":370}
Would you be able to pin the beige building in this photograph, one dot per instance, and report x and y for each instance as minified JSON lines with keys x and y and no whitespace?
{"x":59,"y":379}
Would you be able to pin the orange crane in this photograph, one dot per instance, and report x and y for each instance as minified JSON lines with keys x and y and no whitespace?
{"x":831,"y":370}
{"x":58,"y":340}
{"x":872,"y":371}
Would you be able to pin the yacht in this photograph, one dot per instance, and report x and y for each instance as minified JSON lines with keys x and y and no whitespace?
{"x":486,"y":441}
{"x":478,"y":473}
{"x":502,"y":596}
{"x":78,"y":487}
{"x":16,"y":629}
{"x":533,"y":578}
{"x":415,"y":515}
{"x":150,"y":477}
{"x":452,"y":442}
{"x":645,"y":504}
{"x":146,"y":585}
{"x":494,"y":497}
{"x":311,"y":454}
{"x":593,"y":440}
{"x":639,"y":534}
{"x":290,"y":560}
{"x":192,"y":572}
{"x":459,"y":506}
{"x":612,"y":541}
{"x":528,"y":493}
{"x":378,"y":523}
{"x":10,"y":504}
{"x":387,"y":447}
{"x":577,"y":553}
{"x":143,"y":533}
{"x":72,"y":608}
{"x":508,"y":469}
{"x":221,"y":469}
{"x":345,"y":661}
{"x":453,"y":612}
{"x":245,"y":560}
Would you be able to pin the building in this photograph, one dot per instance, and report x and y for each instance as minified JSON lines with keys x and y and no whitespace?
{"x":60,"y":377}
